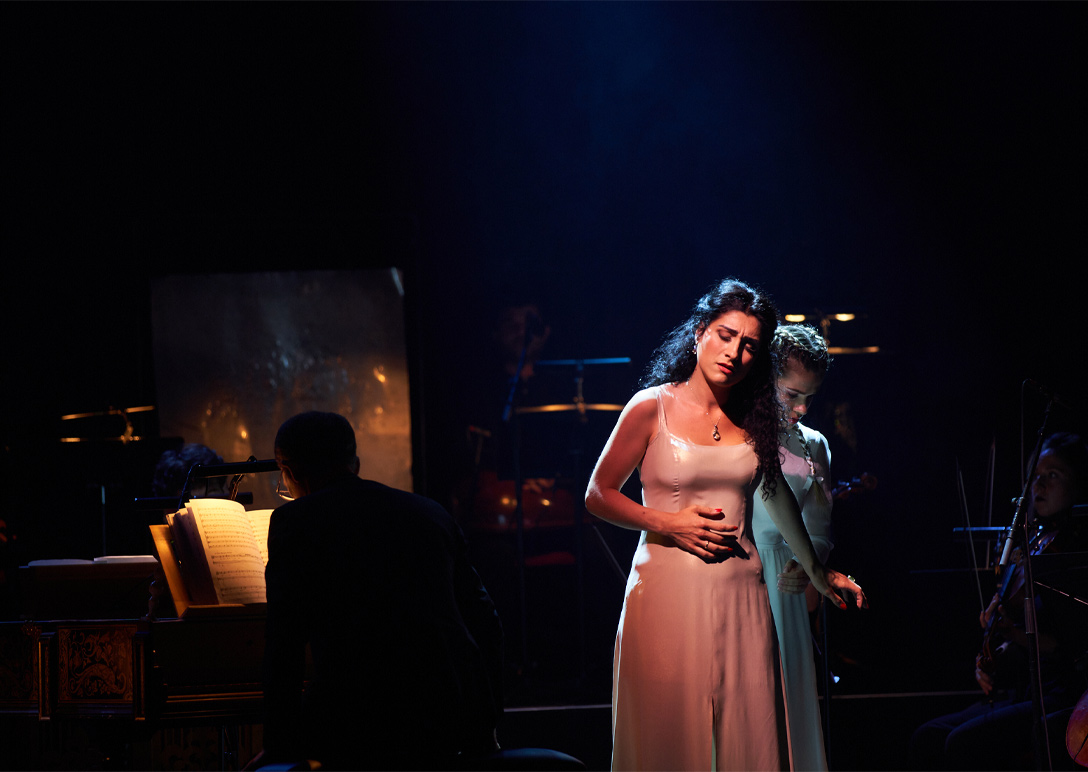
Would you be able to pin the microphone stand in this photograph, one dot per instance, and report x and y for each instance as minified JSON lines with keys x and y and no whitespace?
{"x":1019,"y":527}
{"x":580,"y":473}
{"x":581,"y":467}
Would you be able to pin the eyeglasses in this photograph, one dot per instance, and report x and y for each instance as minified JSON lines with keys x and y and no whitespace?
{"x":281,"y":489}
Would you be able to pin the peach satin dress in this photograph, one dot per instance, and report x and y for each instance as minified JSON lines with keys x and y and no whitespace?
{"x":696,"y":678}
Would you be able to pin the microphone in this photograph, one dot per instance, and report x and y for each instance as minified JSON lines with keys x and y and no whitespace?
{"x":1049,"y":395}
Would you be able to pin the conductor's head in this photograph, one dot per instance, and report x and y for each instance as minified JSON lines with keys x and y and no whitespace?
{"x":315,"y":450}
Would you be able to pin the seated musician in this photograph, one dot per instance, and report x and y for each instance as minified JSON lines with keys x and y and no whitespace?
{"x":405,"y":641}
{"x":997,"y":732}
{"x":172,"y":472}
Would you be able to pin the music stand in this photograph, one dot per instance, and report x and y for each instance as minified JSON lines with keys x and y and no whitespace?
{"x":203,"y":471}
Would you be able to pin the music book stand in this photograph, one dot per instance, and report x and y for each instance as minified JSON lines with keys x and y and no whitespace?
{"x":171,"y":569}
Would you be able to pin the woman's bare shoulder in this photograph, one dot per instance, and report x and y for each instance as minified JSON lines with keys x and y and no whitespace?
{"x":644,"y":403}
{"x":640,"y":413}
{"x":645,"y":395}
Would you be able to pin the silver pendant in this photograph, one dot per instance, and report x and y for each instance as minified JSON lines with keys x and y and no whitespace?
{"x":715,"y":435}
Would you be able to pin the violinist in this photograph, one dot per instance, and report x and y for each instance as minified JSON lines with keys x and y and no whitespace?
{"x":997,"y":731}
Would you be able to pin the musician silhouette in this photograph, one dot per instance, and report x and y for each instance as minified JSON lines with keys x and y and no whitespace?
{"x":997,"y":731}
{"x":172,"y":471}
{"x":405,"y":641}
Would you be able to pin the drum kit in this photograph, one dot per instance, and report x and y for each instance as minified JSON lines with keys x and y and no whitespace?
{"x":543,"y":488}
{"x":111,"y":425}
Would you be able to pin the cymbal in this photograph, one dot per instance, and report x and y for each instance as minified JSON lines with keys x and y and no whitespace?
{"x":580,"y":362}
{"x":128,"y":434}
{"x":853,"y":350}
{"x":568,"y":407}
{"x":111,"y":411}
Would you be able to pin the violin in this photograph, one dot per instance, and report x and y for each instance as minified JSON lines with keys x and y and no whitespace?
{"x":1012,"y":581}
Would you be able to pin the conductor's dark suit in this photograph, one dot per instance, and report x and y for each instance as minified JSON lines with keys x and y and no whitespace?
{"x":406,"y":643}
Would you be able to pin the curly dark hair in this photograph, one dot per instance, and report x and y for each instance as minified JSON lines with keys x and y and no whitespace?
{"x":753,"y":403}
{"x":804,"y":343}
{"x":172,"y":470}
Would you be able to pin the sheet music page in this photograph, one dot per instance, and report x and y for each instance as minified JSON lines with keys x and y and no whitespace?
{"x":259,"y":519}
{"x":238,"y":583}
{"x":234,"y":558}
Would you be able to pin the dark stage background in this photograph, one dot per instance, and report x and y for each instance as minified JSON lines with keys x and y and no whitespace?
{"x":921,"y":165}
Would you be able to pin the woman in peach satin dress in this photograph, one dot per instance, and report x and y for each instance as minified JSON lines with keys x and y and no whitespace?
{"x":696,"y":678}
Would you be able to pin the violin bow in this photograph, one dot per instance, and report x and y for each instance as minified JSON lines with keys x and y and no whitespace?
{"x":970,"y":540}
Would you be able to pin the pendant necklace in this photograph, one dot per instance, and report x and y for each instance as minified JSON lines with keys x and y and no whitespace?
{"x":717,"y":437}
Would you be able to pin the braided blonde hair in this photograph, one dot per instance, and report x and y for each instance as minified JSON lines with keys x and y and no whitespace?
{"x":804,"y":343}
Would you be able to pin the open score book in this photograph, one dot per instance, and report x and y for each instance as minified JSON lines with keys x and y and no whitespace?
{"x":222,"y":550}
